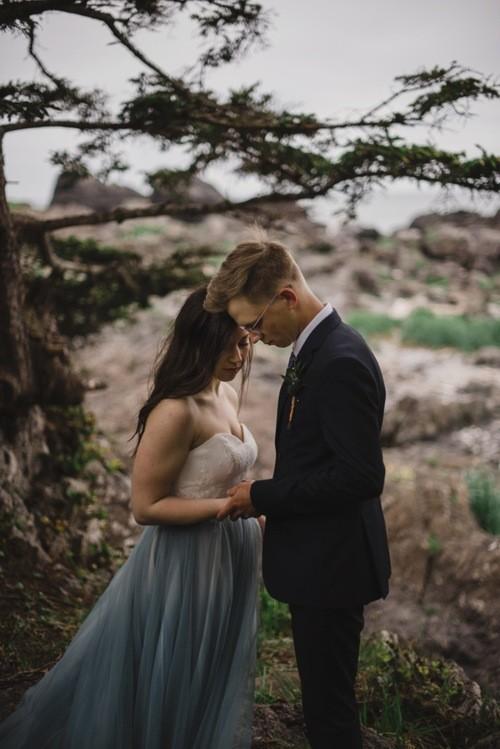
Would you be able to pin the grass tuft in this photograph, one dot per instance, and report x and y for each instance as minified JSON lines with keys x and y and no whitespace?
{"x":371,"y":323}
{"x":419,"y":701}
{"x":458,"y":331}
{"x":274,"y":617}
{"x":484,"y":500}
{"x":425,"y":328}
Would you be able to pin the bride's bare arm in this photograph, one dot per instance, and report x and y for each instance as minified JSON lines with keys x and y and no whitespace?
{"x":161,"y":454}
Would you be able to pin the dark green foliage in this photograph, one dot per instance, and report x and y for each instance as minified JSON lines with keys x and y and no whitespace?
{"x":106,"y":282}
{"x":31,"y":102}
{"x":450,"y":84}
{"x":71,"y":439}
{"x":432,"y":279}
{"x":460,"y":331}
{"x":276,"y":670}
{"x":89,"y":251}
{"x":484,"y":499}
{"x":424,"y":328}
{"x":422,"y":702}
{"x":274,"y":617}
{"x":371,"y":323}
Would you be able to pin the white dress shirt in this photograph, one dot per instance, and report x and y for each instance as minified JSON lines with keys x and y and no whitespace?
{"x":327,"y":310}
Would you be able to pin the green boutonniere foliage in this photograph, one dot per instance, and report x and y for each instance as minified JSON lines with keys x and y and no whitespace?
{"x":293,"y":378}
{"x":293,"y":382}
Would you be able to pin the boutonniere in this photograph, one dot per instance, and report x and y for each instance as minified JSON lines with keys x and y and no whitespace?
{"x":293,"y":382}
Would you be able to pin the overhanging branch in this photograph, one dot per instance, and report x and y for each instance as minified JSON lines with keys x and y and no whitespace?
{"x":274,"y":127}
{"x":58,"y":82}
{"x":28,"y":227}
{"x":22,"y":11}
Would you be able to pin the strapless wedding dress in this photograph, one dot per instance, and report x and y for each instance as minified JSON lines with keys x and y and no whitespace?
{"x":165,"y":658}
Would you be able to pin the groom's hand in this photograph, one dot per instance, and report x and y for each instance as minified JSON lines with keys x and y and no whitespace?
{"x":239,"y":504}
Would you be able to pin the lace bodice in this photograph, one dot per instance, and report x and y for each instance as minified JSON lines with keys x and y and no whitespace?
{"x":217,"y":464}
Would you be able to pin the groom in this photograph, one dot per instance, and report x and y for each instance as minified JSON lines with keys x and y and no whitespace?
{"x":325,"y":545}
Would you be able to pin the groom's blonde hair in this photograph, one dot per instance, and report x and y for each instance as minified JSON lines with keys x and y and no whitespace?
{"x":253,"y":269}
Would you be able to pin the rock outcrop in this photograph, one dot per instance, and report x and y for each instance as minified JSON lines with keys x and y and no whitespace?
{"x":467,"y":238}
{"x":91,"y":193}
{"x":193,"y":191}
{"x":411,"y":419}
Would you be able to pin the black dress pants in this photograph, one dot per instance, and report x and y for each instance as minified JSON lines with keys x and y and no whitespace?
{"x":327,"y":649}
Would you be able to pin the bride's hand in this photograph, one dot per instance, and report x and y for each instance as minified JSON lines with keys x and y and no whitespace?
{"x":239,"y":504}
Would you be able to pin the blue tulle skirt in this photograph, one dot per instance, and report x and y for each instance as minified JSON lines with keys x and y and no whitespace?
{"x":165,"y":659}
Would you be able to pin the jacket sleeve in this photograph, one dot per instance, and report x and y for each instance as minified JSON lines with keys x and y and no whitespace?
{"x":348,"y":413}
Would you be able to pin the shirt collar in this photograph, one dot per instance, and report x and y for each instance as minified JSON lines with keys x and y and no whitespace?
{"x":297,"y":346}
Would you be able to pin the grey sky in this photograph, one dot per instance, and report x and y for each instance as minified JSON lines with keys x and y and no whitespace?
{"x":325,"y":56}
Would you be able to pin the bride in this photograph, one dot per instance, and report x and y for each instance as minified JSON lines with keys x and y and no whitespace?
{"x":165,"y":658}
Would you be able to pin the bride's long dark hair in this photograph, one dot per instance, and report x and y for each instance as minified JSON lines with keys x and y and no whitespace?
{"x":188,"y":356}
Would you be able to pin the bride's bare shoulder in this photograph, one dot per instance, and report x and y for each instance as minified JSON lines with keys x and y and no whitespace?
{"x":172,"y":412}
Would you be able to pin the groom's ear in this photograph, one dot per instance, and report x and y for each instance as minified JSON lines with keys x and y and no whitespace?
{"x":290,"y":296}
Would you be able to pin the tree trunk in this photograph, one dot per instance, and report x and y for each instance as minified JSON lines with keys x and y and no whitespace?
{"x":16,"y":375}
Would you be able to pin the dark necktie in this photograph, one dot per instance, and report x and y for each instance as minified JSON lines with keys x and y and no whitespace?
{"x":292,"y":361}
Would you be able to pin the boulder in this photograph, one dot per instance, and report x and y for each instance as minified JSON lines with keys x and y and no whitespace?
{"x":91,"y":193}
{"x":194,"y":191}
{"x":472,"y":247}
{"x":464,"y":237}
{"x":488,"y":356}
{"x":410,"y":419}
{"x":455,"y":218}
{"x":448,"y":242}
{"x":366,"y":280}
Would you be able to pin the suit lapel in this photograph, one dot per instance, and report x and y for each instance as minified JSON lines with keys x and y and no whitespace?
{"x":305,"y":358}
{"x":283,"y":397}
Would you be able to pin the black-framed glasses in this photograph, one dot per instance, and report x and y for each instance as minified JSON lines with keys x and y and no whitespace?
{"x":253,"y":329}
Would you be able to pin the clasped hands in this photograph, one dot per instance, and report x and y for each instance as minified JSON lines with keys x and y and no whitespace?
{"x":239,"y":503}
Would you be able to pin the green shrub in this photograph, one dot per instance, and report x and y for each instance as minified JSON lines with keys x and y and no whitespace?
{"x":90,"y":251}
{"x":386,"y":244}
{"x":106,"y":284}
{"x":144,"y":230}
{"x":274,"y":617}
{"x":484,"y":500}
{"x":425,"y":328}
{"x":460,"y":331}
{"x":371,"y":323}
{"x":71,"y":437}
{"x":435,"y":280}
{"x":421,"y":702}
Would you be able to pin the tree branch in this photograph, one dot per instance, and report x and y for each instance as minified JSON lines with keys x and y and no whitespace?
{"x":45,"y":249}
{"x":22,"y":11}
{"x":82,"y":125}
{"x":110,"y":22}
{"x":28,"y":9}
{"x":29,"y":228}
{"x":223,"y":122}
{"x":58,"y":82}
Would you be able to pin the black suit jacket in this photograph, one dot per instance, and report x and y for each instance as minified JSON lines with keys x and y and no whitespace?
{"x":325,"y":542}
